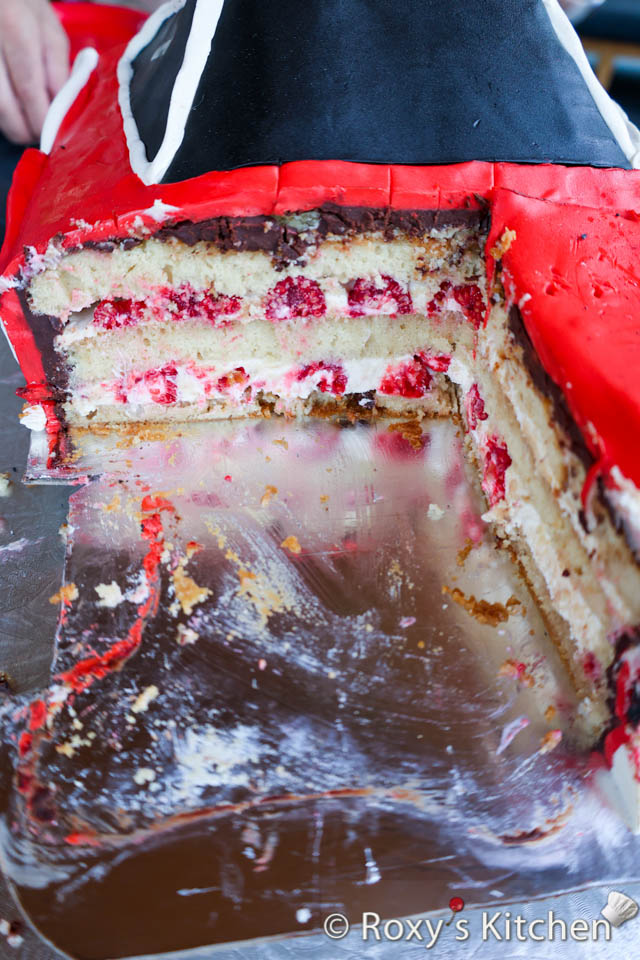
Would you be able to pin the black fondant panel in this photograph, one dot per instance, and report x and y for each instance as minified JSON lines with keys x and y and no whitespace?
{"x":155,"y":71}
{"x":381,"y":81}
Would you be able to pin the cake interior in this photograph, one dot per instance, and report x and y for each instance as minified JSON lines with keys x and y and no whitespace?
{"x":331,"y":314}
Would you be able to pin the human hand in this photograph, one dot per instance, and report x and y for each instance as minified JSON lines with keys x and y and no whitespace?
{"x":34,"y":64}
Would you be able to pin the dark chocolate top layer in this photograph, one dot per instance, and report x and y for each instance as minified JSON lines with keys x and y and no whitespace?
{"x":417,"y":82}
{"x":277,"y":235}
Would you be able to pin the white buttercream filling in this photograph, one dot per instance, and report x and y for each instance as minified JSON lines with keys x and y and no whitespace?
{"x":625,"y":500}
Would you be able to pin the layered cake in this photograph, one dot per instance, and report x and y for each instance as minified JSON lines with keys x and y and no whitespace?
{"x":365,"y":246}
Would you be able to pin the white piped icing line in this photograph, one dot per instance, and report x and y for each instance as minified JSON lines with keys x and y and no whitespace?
{"x":83,"y":66}
{"x":625,"y":132}
{"x":203,"y":28}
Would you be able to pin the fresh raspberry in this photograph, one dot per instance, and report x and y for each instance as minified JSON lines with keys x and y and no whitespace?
{"x":190,"y":303}
{"x":470,"y":298}
{"x":438,"y":362}
{"x":232,"y":379}
{"x":113,"y":314}
{"x":335,"y":380}
{"x":496,"y":463}
{"x":367,"y":298}
{"x":467,"y":295}
{"x":474,"y":407}
{"x":201,"y":305}
{"x":161,"y":383}
{"x":295,"y":297}
{"x":409,"y":379}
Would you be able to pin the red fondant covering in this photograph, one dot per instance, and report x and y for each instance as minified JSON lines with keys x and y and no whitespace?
{"x":576,"y":232}
{"x":101,"y":27}
{"x":575,"y":273}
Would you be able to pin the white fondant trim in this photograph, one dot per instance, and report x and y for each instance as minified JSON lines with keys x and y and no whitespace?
{"x":8,"y":338}
{"x":83,"y":66}
{"x":203,"y":28}
{"x":625,"y":132}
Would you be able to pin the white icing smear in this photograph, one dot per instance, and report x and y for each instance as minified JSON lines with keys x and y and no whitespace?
{"x":625,"y":500}
{"x":34,"y":417}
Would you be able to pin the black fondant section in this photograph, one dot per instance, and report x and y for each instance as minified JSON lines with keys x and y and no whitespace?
{"x":154,"y":73}
{"x":421,"y":82}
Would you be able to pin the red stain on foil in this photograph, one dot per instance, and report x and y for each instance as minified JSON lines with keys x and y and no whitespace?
{"x":95,"y":668}
{"x":38,"y":715}
{"x":82,"y":840}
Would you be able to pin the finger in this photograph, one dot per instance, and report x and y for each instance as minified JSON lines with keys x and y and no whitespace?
{"x":24,"y":58}
{"x":12,"y":120}
{"x":56,"y":53}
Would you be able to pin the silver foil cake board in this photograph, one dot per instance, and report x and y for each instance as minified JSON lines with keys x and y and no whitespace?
{"x":349,"y":688}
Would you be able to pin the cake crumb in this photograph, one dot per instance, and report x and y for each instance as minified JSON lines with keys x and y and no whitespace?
{"x":503,"y":244}
{"x":113,"y":505}
{"x":282,"y":443}
{"x":188,"y":593}
{"x":550,"y":714}
{"x":435,"y":512}
{"x":66,"y":595}
{"x":292,"y":544}
{"x":265,"y":599}
{"x":269,"y":493}
{"x":550,"y":741}
{"x":409,"y":430}
{"x":110,"y":594}
{"x":519,"y":672}
{"x":482,"y":610}
{"x":464,"y":553}
{"x":6,"y":487}
{"x":186,"y":636}
{"x":144,"y":775}
{"x":145,"y":698}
